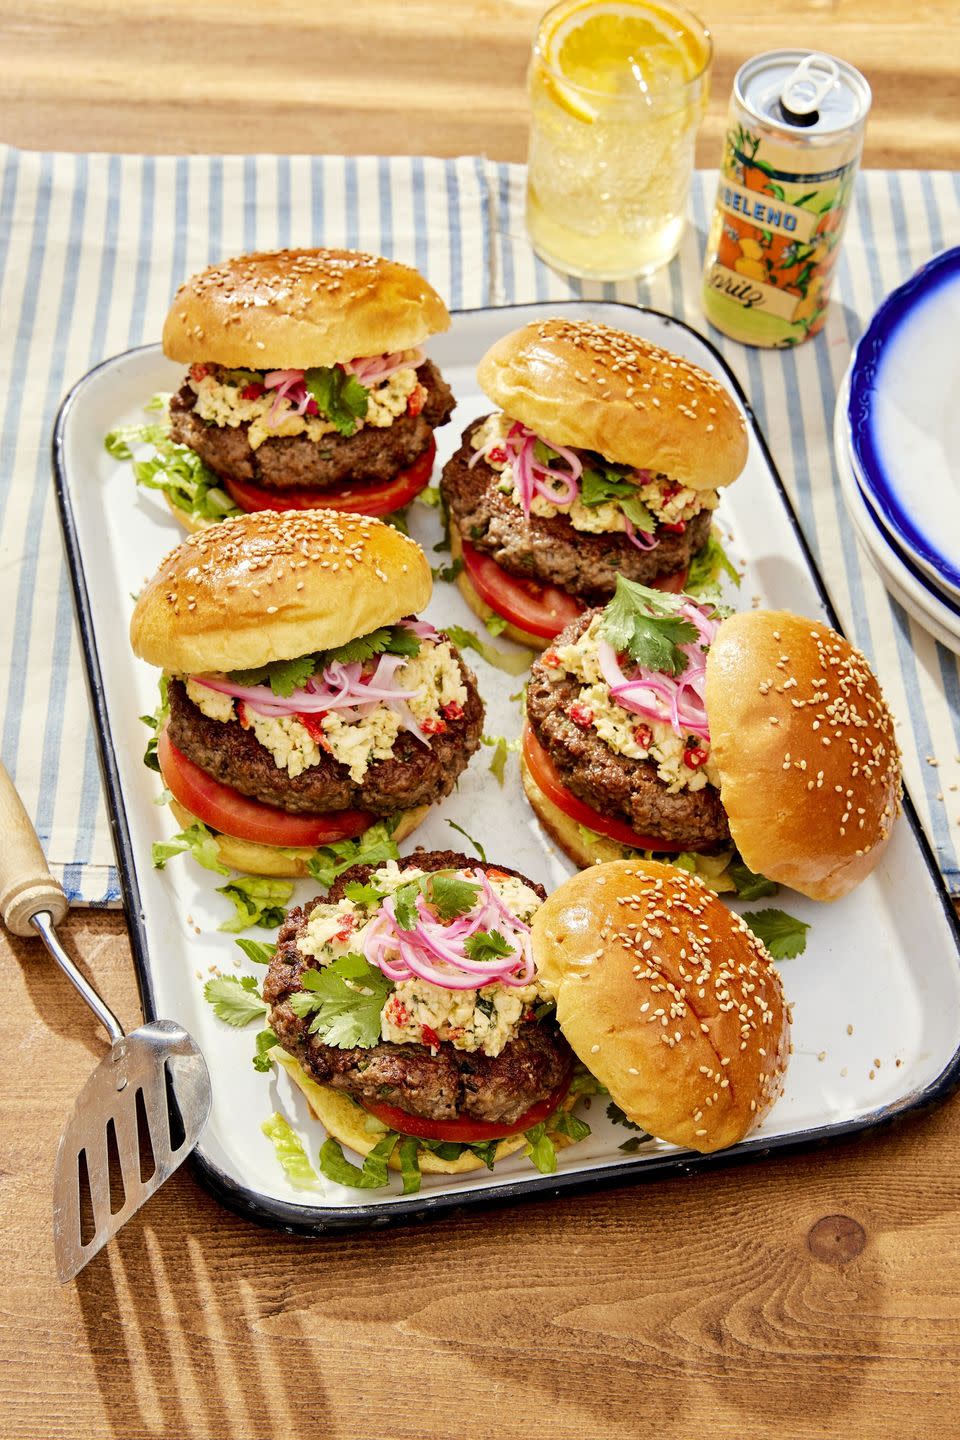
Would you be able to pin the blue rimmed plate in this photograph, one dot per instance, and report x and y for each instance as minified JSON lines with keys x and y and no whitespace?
{"x":904,"y":417}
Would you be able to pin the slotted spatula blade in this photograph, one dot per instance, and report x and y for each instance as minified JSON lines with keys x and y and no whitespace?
{"x":143,"y":1108}
{"x":136,"y":1119}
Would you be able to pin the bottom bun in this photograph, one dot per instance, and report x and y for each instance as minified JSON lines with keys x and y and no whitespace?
{"x":585,"y":847}
{"x":486,"y":612}
{"x":346,"y":1121}
{"x":272,"y":859}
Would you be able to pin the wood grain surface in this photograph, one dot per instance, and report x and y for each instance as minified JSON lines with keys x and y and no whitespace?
{"x":808,"y":1297}
{"x":440,"y":77}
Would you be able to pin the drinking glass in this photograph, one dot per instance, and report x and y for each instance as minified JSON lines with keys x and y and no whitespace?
{"x":617,"y":93}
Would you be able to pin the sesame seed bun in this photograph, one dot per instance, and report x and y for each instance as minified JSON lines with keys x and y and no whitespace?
{"x":298,"y":308}
{"x":288,"y":864}
{"x":805,"y":748}
{"x":600,"y":389}
{"x":274,"y":586}
{"x":668,"y":998}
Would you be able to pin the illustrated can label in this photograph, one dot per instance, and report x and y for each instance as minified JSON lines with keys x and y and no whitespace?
{"x":781,"y":206}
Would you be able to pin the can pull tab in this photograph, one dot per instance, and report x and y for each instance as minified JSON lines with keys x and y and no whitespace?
{"x":807,"y":88}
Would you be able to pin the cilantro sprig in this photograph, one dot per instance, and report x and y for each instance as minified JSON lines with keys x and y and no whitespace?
{"x":235,"y":999}
{"x":647,"y":624}
{"x":784,"y":935}
{"x":339,"y":396}
{"x":344,"y":1001}
{"x":487,"y":945}
{"x":600,"y":487}
{"x":286,"y":676}
{"x":444,"y":891}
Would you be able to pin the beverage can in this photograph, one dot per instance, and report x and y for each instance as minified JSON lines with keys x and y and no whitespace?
{"x":791,"y":152}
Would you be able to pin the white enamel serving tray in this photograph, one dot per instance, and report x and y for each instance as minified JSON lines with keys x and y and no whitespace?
{"x":876,"y":997}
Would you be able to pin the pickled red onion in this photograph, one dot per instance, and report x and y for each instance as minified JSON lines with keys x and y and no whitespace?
{"x":683,"y":705}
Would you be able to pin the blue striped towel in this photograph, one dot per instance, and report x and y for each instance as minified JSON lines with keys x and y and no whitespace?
{"x":91,"y":250}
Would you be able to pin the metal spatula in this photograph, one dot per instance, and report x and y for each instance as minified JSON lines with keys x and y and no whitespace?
{"x":143,"y":1108}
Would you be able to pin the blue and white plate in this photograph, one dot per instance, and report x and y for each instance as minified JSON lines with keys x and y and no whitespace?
{"x":934,"y":609}
{"x":904,"y":418}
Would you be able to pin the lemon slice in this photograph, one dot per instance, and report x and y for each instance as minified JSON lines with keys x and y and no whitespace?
{"x":615,"y":49}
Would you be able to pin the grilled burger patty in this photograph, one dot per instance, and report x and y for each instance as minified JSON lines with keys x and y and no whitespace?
{"x":549,"y":549}
{"x":415,"y":774}
{"x":371,"y":455}
{"x":611,"y":783}
{"x":441,"y":1086}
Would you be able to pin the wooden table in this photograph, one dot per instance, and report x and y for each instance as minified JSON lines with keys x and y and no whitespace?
{"x":811,"y":1296}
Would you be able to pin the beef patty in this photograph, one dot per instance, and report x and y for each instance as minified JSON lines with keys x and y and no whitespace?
{"x":415,"y":774}
{"x":549,"y":549}
{"x":438,"y":1086}
{"x":611,"y":783}
{"x":371,"y":455}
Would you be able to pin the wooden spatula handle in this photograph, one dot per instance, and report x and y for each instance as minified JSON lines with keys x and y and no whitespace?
{"x":26,"y":885}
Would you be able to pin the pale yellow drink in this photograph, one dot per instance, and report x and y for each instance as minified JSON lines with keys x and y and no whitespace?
{"x":617,"y":92}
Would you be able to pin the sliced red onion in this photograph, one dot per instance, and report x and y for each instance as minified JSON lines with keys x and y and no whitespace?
{"x":372,"y":369}
{"x":641,"y":538}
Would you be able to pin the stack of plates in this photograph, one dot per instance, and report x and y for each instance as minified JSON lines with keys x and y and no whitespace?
{"x":897,"y":444}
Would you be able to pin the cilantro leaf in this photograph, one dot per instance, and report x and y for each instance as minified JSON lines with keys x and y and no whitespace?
{"x":362,"y":894}
{"x":450,"y":896}
{"x":257,"y":900}
{"x":447,"y":573}
{"x":339,"y":396}
{"x":646,"y":624}
{"x":394,"y":639}
{"x":784,"y":936}
{"x":586,"y":1083}
{"x":618,"y":1117}
{"x":707,"y":567}
{"x":289,"y":1152}
{"x":197,"y":841}
{"x":283,"y":676}
{"x":511,"y":662}
{"x":374,"y":1174}
{"x":601,"y":489}
{"x":233,"y":1001}
{"x":405,"y":904}
{"x":265,"y":1043}
{"x":487,"y":945}
{"x":259,"y":954}
{"x":750,"y":885}
{"x":631,"y":1146}
{"x":346,"y":1000}
{"x":371,"y":848}
{"x":467,"y":836}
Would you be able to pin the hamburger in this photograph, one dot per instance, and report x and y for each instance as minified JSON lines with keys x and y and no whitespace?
{"x":668,"y":997}
{"x":440,"y":1014}
{"x":605,"y":456}
{"x":307,"y":384}
{"x":304,"y":703}
{"x":656,"y":725}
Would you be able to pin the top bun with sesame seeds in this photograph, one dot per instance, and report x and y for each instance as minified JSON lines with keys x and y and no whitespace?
{"x":805,"y":748}
{"x":595,"y":388}
{"x":274,"y":586}
{"x":294,"y":309}
{"x":667,"y":997}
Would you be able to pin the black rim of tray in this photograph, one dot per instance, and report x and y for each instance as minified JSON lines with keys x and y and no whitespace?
{"x":316,"y":1219}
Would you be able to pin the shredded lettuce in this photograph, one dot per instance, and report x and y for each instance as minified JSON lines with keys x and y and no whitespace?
{"x":373,"y":847}
{"x":749,"y":884}
{"x":708,"y":567}
{"x":512,"y":662}
{"x":257,"y":900}
{"x":174,"y":469}
{"x":374,"y":1173}
{"x":541,"y":1149}
{"x":467,"y":836}
{"x":197,"y":841}
{"x":410,"y":1165}
{"x":156,"y":722}
{"x":290,"y":1152}
{"x":265,"y":1042}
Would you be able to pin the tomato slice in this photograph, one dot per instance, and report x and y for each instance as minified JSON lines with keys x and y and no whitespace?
{"x":356,"y":499}
{"x":542,"y":610}
{"x":464,"y":1130}
{"x":225,"y":809}
{"x":545,"y":774}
